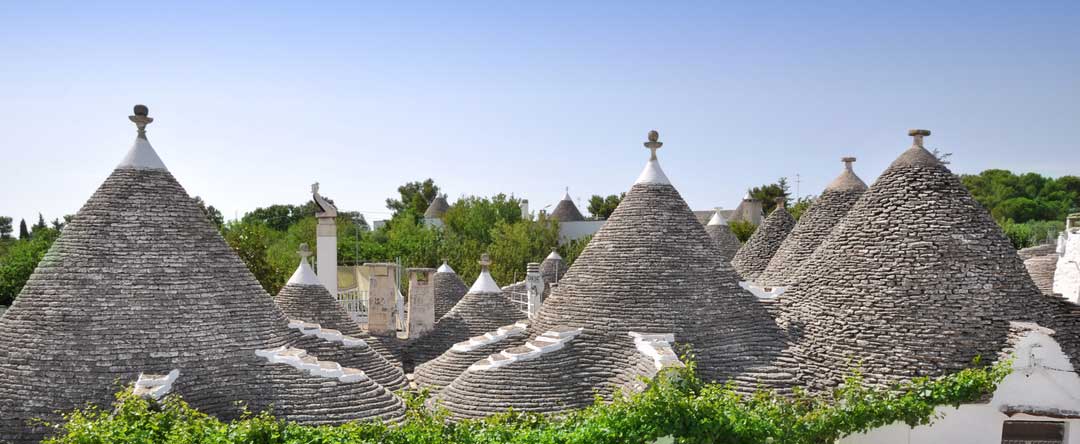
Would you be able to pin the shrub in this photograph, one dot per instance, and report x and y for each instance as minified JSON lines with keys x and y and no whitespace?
{"x":677,"y":404}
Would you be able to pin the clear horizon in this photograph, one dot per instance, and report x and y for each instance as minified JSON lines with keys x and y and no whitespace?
{"x":254,"y":103}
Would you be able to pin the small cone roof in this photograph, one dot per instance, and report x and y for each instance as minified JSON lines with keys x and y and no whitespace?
{"x":449,"y":289}
{"x":437,"y":208}
{"x":814,"y":225}
{"x":305,"y":299}
{"x":566,"y":211}
{"x":752,"y":258}
{"x":720,"y":232}
{"x":484,"y":308}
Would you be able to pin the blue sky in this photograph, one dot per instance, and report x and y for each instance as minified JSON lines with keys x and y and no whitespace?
{"x":255,"y":101}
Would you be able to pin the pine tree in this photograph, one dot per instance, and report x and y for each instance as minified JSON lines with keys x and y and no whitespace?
{"x":23,"y":232}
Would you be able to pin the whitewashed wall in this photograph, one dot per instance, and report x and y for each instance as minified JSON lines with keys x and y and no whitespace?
{"x":1067,"y":276}
{"x":576,"y":230}
{"x":1042,"y":377}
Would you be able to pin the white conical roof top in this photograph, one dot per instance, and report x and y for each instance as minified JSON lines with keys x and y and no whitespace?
{"x":304,"y":274}
{"x":445,"y":268}
{"x":485,"y":284}
{"x":717,"y":219}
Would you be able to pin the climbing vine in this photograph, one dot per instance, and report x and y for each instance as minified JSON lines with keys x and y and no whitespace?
{"x":677,"y":405}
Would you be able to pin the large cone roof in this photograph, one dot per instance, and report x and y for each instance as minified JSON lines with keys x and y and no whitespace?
{"x":812,"y":229}
{"x":750,"y":261}
{"x":650,"y":269}
{"x":140,"y":281}
{"x":916,"y":280}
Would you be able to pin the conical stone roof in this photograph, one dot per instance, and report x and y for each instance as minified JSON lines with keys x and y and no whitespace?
{"x":140,"y":281}
{"x":553,"y":267}
{"x":916,"y":280}
{"x":754,"y":256}
{"x":305,"y":299}
{"x":449,"y":289}
{"x":484,"y":308}
{"x":720,"y":232}
{"x":566,"y":211}
{"x":437,"y":208}
{"x":651,"y":269}
{"x":813,"y":227}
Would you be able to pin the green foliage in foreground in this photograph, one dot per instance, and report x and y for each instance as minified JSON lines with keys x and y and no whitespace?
{"x":675,"y":404}
{"x":1032,"y":233}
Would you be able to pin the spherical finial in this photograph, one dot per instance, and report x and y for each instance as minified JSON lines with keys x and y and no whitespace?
{"x":141,"y":119}
{"x":484,"y":261}
{"x":654,"y":143}
{"x":304,"y":251}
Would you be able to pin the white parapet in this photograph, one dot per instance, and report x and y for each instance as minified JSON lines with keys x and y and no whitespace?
{"x":1067,"y":274}
{"x":658,"y":348}
{"x":550,"y":341}
{"x":326,"y":334}
{"x":762,"y":292}
{"x":299,"y":359}
{"x":476,"y":342}
{"x":155,"y":386}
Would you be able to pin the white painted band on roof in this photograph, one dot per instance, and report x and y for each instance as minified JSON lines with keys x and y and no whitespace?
{"x":326,"y":334}
{"x":658,"y":348}
{"x":299,"y":359}
{"x":548,"y":342}
{"x":445,"y":268}
{"x":155,"y":386}
{"x":554,"y":255}
{"x":304,"y":275}
{"x":142,"y":156}
{"x":762,"y":292}
{"x":489,"y":338}
{"x":485,"y":284}
{"x":653,"y":174}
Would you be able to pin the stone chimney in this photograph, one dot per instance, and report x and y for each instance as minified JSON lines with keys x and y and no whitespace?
{"x":382,"y":298}
{"x":917,"y":135}
{"x":326,"y":241}
{"x":534,"y":287}
{"x":847,"y":163}
{"x":781,"y":202}
{"x":421,"y":302}
{"x":524,"y":209}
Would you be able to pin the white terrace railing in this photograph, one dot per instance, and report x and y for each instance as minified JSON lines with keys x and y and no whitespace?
{"x":519,"y":298}
{"x":355,"y":302}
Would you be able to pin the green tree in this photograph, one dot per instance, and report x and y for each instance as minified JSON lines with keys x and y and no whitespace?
{"x":800,"y":207}
{"x":20,"y":260}
{"x":516,"y":244}
{"x":571,"y":250}
{"x":1025,"y":197}
{"x":742,"y":229}
{"x":414,"y":198}
{"x":251,"y":240}
{"x":40,"y":225}
{"x":474,"y":217}
{"x":5,"y":227}
{"x":601,"y":207}
{"x":768,"y":193}
{"x":23,"y":232}
{"x":213,"y":214}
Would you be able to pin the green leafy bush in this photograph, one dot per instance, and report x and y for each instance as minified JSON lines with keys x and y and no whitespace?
{"x":1031,"y":233}
{"x":677,"y":404}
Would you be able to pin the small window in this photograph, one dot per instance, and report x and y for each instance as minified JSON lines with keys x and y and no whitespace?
{"x":1033,"y":432}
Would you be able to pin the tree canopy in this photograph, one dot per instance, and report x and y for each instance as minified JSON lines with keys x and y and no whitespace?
{"x":1025,"y":197}
{"x":414,"y":198}
{"x":768,"y":193}
{"x":601,"y":207}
